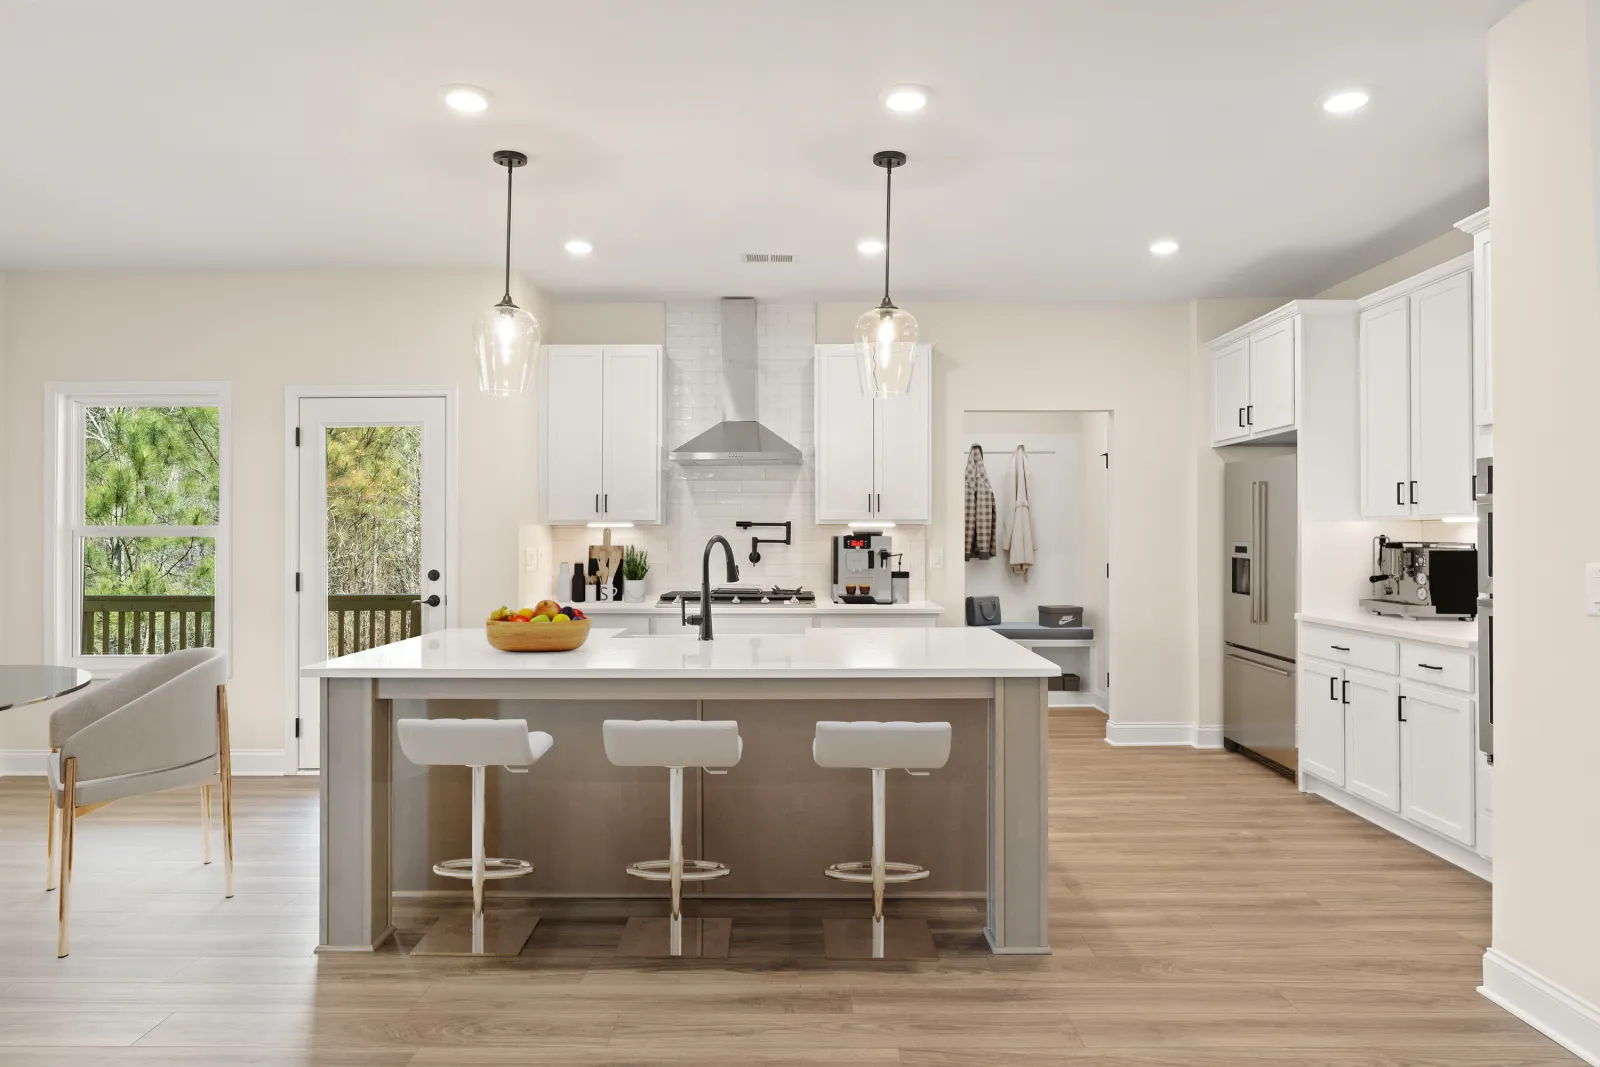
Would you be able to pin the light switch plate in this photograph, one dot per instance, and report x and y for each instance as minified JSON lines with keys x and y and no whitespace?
{"x":1591,"y":587}
{"x":530,"y":559}
{"x":936,"y":558}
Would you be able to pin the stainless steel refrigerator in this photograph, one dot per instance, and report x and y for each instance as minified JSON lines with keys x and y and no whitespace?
{"x":1258,"y":671}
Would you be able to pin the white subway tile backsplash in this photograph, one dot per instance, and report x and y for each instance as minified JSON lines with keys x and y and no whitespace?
{"x":702,"y":501}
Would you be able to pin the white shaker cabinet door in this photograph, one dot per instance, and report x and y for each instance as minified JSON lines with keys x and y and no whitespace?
{"x":904,"y":468}
{"x":1372,"y":763}
{"x":845,"y":436}
{"x":1321,"y":733}
{"x":1386,"y":410}
{"x":631,"y":440}
{"x":572,"y":421}
{"x":1437,"y":762}
{"x":1442,"y":453}
{"x":1230,"y":392}
{"x":1271,"y":405}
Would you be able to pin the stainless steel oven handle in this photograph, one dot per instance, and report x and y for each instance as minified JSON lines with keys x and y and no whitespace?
{"x":1260,"y":666}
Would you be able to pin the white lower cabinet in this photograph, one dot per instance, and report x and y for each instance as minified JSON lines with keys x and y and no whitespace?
{"x":1397,"y":745}
{"x":1437,"y":762}
{"x":1322,"y":720}
{"x":1372,"y":750}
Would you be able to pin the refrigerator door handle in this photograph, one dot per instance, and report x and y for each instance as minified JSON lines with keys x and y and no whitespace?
{"x":1258,"y":584}
{"x":1260,"y":666}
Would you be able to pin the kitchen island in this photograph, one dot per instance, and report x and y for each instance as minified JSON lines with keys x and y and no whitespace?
{"x":776,"y":820}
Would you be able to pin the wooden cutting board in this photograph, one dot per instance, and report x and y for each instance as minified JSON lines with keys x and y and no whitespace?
{"x":608,"y":557}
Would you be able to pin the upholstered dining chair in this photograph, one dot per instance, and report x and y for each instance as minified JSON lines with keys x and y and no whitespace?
{"x":162,"y":725}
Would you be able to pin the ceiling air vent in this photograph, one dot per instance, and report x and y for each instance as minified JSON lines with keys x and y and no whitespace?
{"x":768,"y":257}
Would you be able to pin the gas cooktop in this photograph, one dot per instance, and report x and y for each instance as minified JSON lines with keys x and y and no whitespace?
{"x":743,"y":594}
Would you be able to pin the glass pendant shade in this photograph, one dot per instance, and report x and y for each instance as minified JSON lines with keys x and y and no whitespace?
{"x":507,"y":342}
{"x":886,"y":342}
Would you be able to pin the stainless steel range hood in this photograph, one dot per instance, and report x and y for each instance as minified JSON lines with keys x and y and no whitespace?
{"x":738,"y":440}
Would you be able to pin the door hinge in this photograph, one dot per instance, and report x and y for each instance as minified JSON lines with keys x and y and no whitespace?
{"x":296,"y":581}
{"x":297,"y":437}
{"x":297,"y":726}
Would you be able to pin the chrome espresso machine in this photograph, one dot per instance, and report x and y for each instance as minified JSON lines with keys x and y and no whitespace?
{"x":1423,"y":579}
{"x":862,"y":573}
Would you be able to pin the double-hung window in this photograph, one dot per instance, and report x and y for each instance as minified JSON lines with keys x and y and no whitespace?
{"x":138,"y":506}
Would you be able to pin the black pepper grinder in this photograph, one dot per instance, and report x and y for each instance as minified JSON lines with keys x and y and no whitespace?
{"x":580,"y":583}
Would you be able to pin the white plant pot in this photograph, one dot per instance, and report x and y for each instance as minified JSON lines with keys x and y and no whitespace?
{"x":633,"y":592}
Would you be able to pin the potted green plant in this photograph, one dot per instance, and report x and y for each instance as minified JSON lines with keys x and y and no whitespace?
{"x":635,"y":565}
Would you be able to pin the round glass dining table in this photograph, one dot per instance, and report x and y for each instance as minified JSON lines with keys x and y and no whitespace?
{"x":30,"y":683}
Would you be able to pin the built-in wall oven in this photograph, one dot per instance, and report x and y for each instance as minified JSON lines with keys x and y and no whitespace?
{"x":1483,"y":487}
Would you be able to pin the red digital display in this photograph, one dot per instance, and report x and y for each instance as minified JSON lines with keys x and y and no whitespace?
{"x":857,"y":542}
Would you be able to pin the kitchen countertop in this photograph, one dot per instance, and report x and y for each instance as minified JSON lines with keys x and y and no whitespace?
{"x":822,"y":607}
{"x":934,"y":652}
{"x":1452,"y":632}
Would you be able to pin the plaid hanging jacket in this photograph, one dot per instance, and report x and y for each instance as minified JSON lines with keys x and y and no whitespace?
{"x":980,"y":528}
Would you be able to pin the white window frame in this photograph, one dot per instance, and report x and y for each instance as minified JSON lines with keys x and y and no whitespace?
{"x":64,"y":507}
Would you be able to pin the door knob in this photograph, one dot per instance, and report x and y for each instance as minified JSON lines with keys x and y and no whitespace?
{"x":431,"y":601}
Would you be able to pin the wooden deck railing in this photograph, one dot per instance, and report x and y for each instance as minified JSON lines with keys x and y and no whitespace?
{"x":146,"y":625}
{"x":361,"y":621}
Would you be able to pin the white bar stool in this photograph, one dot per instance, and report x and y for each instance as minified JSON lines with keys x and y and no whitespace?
{"x":479,"y":744}
{"x":918,"y":747}
{"x":675,"y":744}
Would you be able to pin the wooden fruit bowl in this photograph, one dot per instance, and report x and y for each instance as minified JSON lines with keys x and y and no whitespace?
{"x":538,"y":636}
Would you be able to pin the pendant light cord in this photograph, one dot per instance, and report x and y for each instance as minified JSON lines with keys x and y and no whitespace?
{"x":510,"y":170}
{"x":888,"y":215}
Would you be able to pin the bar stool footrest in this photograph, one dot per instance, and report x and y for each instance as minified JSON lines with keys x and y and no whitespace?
{"x":693,"y":870}
{"x":861,"y":871}
{"x":492,"y":868}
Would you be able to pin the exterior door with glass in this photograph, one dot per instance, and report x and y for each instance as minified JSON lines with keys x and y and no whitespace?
{"x":371,"y":553}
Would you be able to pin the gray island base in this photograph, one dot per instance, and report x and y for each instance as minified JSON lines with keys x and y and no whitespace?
{"x":777,"y":820}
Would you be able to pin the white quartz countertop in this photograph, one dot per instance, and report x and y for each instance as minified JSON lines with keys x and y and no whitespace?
{"x":1452,"y":632}
{"x":856,"y":652}
{"x":722,"y":610}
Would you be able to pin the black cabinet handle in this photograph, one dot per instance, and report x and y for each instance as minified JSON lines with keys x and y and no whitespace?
{"x":605,"y":503}
{"x":1339,"y":648}
{"x":880,"y":502}
{"x":1241,"y":418}
{"x":1429,"y":667}
{"x":1332,"y":682}
{"x":1250,"y":415}
{"x":597,"y":503}
{"x":1344,"y":697}
{"x":1403,"y":708}
{"x":1399,"y":493}
{"x":1413,"y":492}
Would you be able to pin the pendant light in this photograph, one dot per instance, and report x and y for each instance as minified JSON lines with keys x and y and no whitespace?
{"x":505,"y":336}
{"x":886,"y":336}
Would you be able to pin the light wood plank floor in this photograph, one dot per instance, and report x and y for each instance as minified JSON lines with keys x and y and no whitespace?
{"x":1205,"y":915}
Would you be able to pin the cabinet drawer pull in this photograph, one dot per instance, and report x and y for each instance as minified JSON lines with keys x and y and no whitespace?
{"x":1241,"y":418}
{"x":1399,"y":494}
{"x":1250,"y":415}
{"x":1413,"y":492}
{"x":1429,"y":667}
{"x":1403,"y":707}
{"x":1344,"y":697}
{"x":1339,"y":648}
{"x":1332,"y":686}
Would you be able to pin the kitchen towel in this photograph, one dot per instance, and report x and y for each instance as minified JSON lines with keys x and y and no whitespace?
{"x":980,"y":508}
{"x":1018,"y":538}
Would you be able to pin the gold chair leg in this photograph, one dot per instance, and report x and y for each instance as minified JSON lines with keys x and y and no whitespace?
{"x":50,"y":843}
{"x":205,"y":824}
{"x":69,"y":802}
{"x":225,"y":759}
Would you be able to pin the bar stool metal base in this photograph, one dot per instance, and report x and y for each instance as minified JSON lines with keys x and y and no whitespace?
{"x":504,"y":934}
{"x":861,"y":871}
{"x":693,"y":870}
{"x":493,"y":867}
{"x":705,"y":939}
{"x":852,"y":939}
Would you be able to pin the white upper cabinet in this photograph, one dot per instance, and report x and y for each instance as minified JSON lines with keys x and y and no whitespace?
{"x":1257,"y":370}
{"x":874,"y":457}
{"x":1416,"y":396}
{"x":600,"y":424}
{"x":1271,"y":408}
{"x":1482,"y":317}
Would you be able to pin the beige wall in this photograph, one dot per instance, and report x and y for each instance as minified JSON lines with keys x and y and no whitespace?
{"x":578,"y":323}
{"x":1130,"y":359}
{"x":1441,"y":249}
{"x":261,"y":332}
{"x":1546,"y":336}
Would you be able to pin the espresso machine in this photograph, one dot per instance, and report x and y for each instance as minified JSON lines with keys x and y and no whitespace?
{"x":861,"y":570}
{"x":1423,"y":579}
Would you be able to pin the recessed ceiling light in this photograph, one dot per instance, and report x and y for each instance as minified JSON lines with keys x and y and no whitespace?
{"x":578,"y":247}
{"x":1164,"y":247}
{"x":1343,"y":103}
{"x":870,"y":247}
{"x":466,"y":98}
{"x":906,"y":99}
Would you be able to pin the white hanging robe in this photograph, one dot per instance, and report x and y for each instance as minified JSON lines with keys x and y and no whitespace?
{"x":1019,"y":542}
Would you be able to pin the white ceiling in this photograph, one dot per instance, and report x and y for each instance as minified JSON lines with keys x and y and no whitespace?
{"x":1061,"y":138}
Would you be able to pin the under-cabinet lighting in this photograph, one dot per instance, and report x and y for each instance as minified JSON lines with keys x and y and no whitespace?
{"x":1462,"y":519}
{"x":874,"y":524}
{"x":610,"y":525}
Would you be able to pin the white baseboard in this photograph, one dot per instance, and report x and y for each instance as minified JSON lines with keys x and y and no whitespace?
{"x":1426,"y":840}
{"x":1564,"y":1018}
{"x":247,"y":762}
{"x":1173,"y":734}
{"x":1081,"y":699}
